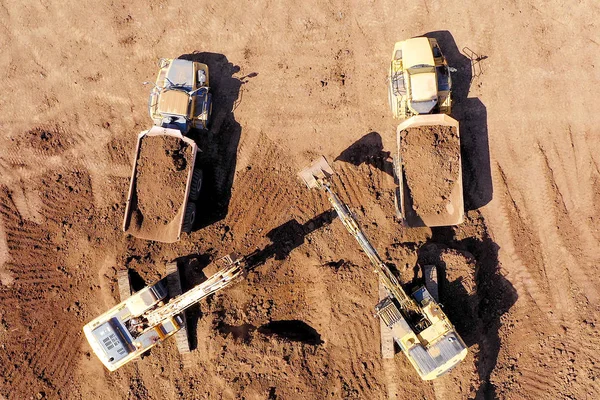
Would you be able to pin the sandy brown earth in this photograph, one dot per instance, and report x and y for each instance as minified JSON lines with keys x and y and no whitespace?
{"x":291,"y":82}
{"x":431,"y":163}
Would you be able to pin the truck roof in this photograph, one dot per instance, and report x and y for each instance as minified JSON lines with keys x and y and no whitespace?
{"x":173,"y":102}
{"x":417,"y":51}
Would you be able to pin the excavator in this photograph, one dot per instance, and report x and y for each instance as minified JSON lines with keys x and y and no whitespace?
{"x":416,"y":322}
{"x":144,"y":319}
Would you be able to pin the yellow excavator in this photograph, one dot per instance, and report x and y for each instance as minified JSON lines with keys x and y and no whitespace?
{"x":145,"y":318}
{"x":417,"y":322}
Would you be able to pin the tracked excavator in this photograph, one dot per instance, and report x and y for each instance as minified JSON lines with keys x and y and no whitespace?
{"x":145,"y":318}
{"x":416,"y":322}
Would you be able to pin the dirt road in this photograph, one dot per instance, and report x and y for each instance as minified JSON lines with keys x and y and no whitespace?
{"x":291,"y":82}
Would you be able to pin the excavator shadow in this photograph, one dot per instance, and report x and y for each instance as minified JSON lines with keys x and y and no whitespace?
{"x":368,"y":150}
{"x":288,"y":330}
{"x":287,"y":237}
{"x":196,"y":268}
{"x":220,"y":142}
{"x":472,"y":289}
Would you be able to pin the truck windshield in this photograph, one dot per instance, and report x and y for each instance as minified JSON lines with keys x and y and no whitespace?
{"x":421,"y":69}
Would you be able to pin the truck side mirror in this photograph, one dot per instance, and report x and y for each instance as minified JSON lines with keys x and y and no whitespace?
{"x":201,"y":77}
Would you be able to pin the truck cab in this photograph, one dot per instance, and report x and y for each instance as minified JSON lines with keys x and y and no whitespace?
{"x":181,"y":97}
{"x":419,"y":80}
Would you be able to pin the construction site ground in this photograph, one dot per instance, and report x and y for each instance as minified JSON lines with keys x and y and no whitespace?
{"x":292,"y":81}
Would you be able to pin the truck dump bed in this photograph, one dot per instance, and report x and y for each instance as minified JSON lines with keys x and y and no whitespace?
{"x":429,"y":172}
{"x":160,"y":185}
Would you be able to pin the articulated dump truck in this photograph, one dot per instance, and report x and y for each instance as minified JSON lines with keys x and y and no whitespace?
{"x":165,"y":182}
{"x":427,"y":164}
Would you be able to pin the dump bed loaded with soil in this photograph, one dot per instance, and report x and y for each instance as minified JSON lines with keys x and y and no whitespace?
{"x":161,"y":178}
{"x":431,"y":159}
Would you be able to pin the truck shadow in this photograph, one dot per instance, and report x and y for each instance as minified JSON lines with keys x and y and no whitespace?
{"x":472,"y":116}
{"x":472,"y":290}
{"x":220,"y":142}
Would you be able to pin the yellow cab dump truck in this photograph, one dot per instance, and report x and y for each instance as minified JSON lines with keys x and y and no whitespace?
{"x":417,"y":322}
{"x":427,"y":164}
{"x":146,"y":318}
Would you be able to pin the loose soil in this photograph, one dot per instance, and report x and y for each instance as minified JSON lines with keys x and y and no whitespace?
{"x":431,"y":162}
{"x":518,"y":278}
{"x":164,"y":164}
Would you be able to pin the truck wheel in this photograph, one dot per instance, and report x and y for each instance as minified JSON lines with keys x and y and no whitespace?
{"x":196,"y":185}
{"x":190,"y":216}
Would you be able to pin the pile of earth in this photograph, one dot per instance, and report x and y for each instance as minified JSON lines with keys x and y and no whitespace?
{"x":431,"y":162}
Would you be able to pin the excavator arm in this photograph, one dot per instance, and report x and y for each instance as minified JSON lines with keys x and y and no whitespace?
{"x":216,"y":282}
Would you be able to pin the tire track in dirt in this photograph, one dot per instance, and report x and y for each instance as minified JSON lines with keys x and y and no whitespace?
{"x":543,"y":208}
{"x":317,"y":296}
{"x":269,"y":195}
{"x":538,"y":385}
{"x":583,"y":240}
{"x":517,"y":272}
{"x":39,"y":289}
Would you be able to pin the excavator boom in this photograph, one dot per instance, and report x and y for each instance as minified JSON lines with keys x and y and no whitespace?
{"x":212,"y":285}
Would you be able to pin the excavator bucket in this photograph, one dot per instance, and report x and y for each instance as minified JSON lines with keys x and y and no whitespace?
{"x":318,"y":170}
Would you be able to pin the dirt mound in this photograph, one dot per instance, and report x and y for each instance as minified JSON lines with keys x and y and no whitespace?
{"x":430,"y":155}
{"x":161,"y":177}
{"x":47,"y":139}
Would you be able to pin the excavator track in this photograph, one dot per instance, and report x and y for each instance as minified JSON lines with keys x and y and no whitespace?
{"x":387,"y":338}
{"x":124,"y":284}
{"x":174,"y":287}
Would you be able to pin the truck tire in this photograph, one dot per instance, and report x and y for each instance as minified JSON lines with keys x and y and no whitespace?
{"x":196,"y":184}
{"x":189,"y":218}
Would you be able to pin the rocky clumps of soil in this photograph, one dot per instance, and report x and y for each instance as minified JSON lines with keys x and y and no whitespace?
{"x":161,"y":177}
{"x":431,"y":161}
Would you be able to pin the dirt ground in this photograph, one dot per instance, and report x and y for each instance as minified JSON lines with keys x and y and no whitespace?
{"x":291,"y":82}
